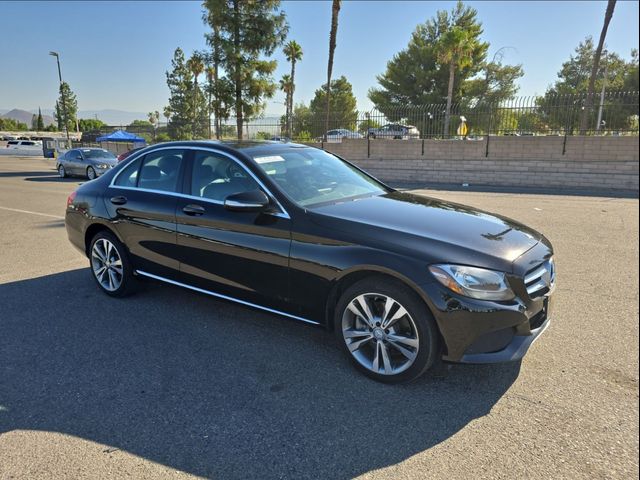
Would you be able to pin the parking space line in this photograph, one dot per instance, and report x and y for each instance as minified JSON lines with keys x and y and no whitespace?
{"x":32,"y":213}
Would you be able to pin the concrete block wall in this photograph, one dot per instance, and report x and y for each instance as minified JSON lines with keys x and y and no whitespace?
{"x":594,"y":163}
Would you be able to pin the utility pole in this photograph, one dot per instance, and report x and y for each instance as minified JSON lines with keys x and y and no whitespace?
{"x":64,"y":100}
{"x":604,"y":84}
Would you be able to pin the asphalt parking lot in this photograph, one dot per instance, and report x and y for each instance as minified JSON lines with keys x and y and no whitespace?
{"x":170,"y":383}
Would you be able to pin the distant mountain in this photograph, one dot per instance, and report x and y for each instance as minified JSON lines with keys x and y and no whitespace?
{"x":25,"y":117}
{"x":108,"y":116}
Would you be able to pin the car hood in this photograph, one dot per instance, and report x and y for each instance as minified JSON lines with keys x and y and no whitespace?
{"x":434,"y":229}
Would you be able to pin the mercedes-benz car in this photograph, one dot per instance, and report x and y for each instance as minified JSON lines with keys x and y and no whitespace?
{"x":403,"y":280}
{"x":85,"y":162}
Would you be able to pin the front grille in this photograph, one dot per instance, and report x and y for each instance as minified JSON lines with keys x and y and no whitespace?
{"x":540,"y":280}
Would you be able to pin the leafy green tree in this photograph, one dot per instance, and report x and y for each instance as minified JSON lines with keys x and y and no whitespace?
{"x":368,"y":123}
{"x":293,"y":52}
{"x":495,"y":84}
{"x":140,"y":124}
{"x":67,"y":98}
{"x":244,"y":31}
{"x":9,"y":124}
{"x":596,"y":63}
{"x":301,"y":121}
{"x":90,"y":124}
{"x":417,"y":76}
{"x":630,"y":81}
{"x":333,"y":35}
{"x":562,"y":104}
{"x":342,"y":107}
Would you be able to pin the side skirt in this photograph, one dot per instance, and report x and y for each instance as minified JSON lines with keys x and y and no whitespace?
{"x":225,"y":297}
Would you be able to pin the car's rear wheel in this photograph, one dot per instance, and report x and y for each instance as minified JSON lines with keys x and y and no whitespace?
{"x":110,"y":265}
{"x":62,"y":172}
{"x":91,"y":173}
{"x":386,"y":330}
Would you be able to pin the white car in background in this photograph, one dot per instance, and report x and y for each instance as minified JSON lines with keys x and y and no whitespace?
{"x":395,"y":131}
{"x":31,"y":145}
{"x":336,"y":136}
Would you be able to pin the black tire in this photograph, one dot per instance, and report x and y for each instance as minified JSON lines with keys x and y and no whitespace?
{"x":62,"y":171}
{"x":129,"y":283}
{"x":91,"y":176}
{"x":423,"y":320}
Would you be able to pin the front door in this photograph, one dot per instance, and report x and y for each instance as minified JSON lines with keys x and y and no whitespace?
{"x":244,"y":255}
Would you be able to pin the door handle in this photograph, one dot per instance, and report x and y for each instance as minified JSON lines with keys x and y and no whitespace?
{"x":193,"y":210}
{"x":119,"y":200}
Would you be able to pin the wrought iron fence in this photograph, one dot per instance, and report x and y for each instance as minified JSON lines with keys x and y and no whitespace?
{"x":615,"y":113}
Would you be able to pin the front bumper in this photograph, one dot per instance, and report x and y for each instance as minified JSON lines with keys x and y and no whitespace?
{"x":476,"y":331}
{"x":515,"y":350}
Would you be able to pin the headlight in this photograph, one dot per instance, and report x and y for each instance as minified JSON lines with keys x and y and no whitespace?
{"x":102,"y":166}
{"x":473,"y":282}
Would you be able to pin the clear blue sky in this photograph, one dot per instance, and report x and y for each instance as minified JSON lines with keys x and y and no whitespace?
{"x":115,"y":54}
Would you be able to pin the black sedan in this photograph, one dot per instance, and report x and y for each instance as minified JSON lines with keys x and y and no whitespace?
{"x":403,"y":280}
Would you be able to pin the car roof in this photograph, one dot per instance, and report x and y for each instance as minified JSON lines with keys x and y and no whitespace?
{"x":249,"y":147}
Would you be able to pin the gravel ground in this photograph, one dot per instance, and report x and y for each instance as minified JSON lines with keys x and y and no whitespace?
{"x":170,"y":383}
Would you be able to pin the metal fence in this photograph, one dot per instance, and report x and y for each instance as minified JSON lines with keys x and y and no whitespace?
{"x":614,"y":113}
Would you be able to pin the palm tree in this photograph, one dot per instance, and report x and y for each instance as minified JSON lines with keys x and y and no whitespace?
{"x":335,"y":10}
{"x":211,"y":76}
{"x":293,"y":52}
{"x":608,"y":14}
{"x":286,"y":85}
{"x":456,"y":52}
{"x":195,"y":65}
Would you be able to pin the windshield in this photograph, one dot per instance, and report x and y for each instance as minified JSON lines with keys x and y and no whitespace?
{"x":312,"y":177}
{"x":98,"y":154}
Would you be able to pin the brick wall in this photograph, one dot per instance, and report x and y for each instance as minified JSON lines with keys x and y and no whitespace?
{"x":596,"y":163}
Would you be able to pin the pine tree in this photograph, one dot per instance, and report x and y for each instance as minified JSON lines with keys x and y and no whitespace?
{"x":67,"y":98}
{"x":39,"y":121}
{"x":245,"y":32}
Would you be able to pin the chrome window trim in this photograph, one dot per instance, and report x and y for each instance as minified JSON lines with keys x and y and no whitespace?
{"x":282,"y":214}
{"x":225,"y":297}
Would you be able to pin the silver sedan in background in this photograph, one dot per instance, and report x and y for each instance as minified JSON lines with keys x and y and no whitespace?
{"x":86,"y":162}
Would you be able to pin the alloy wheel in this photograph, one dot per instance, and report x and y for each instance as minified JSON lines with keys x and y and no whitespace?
{"x":91,"y":173}
{"x":61,"y":171}
{"x":380,"y":333}
{"x":106,"y":264}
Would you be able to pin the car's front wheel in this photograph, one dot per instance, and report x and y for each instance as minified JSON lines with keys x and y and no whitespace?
{"x":110,"y":265}
{"x":386,"y":330}
{"x":91,"y":173}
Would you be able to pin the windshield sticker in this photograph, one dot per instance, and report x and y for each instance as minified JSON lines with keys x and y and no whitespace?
{"x":269,"y":159}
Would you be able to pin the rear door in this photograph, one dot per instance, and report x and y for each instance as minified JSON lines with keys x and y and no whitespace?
{"x":141,"y":203}
{"x":244,"y":255}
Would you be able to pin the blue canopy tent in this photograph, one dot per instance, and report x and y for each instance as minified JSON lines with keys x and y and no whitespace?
{"x":121,"y":136}
{"x":120,"y":141}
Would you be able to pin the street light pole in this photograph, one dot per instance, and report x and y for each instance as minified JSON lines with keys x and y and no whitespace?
{"x":64,"y":100}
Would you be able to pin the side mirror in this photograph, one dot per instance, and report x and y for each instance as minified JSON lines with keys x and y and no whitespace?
{"x":251,"y":201}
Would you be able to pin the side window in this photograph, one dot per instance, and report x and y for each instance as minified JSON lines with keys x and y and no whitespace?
{"x":72,"y":155}
{"x":129,"y":176}
{"x":160,"y":170}
{"x":215,"y":177}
